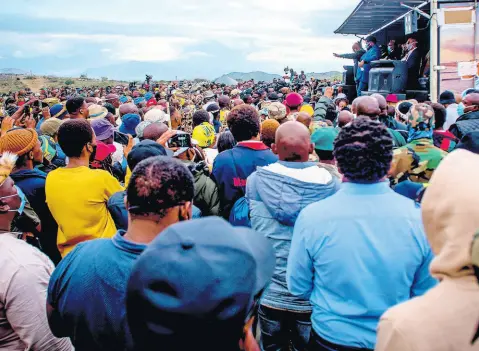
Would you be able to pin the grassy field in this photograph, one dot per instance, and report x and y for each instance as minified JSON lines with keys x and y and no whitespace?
{"x":35,"y":83}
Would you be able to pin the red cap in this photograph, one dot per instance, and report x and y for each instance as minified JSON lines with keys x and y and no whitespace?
{"x":293,"y":99}
{"x":392,"y":98}
{"x":103,"y":150}
{"x":151,"y":102}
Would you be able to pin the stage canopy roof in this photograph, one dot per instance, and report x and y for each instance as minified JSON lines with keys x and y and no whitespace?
{"x":371,"y":15}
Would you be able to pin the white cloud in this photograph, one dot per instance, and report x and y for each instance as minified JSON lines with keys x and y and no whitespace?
{"x":272,"y":32}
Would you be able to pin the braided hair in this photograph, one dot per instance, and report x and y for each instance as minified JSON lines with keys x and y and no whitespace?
{"x":363,"y":151}
{"x":157,"y":185}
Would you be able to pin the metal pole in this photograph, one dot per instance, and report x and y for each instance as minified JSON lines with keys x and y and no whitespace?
{"x":433,"y":53}
{"x":400,"y":17}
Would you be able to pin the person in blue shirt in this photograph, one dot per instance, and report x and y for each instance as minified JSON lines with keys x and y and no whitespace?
{"x":373,"y":54}
{"x":285,"y":319}
{"x":360,"y":251}
{"x":86,"y":294}
{"x":232,"y":167}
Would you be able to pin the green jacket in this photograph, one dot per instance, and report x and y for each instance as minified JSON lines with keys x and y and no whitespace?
{"x":206,"y":192}
{"x":321,"y":108}
{"x":398,"y":139}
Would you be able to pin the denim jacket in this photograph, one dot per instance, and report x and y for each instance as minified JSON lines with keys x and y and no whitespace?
{"x":276,"y":195}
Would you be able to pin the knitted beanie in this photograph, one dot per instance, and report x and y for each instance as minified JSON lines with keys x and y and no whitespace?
{"x":50,"y":126}
{"x":18,"y":141}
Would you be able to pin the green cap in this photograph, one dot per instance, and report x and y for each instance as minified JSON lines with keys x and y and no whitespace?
{"x":323,"y":138}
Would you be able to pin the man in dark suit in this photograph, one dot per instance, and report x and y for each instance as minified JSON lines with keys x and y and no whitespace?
{"x":413,"y":60}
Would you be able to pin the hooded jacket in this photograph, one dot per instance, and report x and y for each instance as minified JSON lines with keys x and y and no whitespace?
{"x":277,"y":194}
{"x":446,"y":317}
{"x":32,"y":183}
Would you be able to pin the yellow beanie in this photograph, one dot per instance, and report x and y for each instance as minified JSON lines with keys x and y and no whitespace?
{"x":18,"y":141}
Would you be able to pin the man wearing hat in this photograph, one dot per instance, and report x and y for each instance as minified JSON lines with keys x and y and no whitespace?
{"x":209,"y":98}
{"x":277,"y":111}
{"x":187,"y":290}
{"x":420,"y":141}
{"x":87,"y":291}
{"x":97,"y":112}
{"x":448,"y":100}
{"x":129,"y":122}
{"x":323,"y":140}
{"x":59,"y":111}
{"x":372,"y":54}
{"x":293,"y":102}
{"x":25,"y":144}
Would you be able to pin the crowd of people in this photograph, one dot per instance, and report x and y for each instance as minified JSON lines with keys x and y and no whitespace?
{"x":265,"y":216}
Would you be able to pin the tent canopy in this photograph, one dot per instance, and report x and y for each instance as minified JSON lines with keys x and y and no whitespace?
{"x":226,"y":80}
{"x":370,"y":15}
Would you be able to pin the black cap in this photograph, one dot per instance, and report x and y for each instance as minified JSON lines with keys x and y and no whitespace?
{"x":273,"y":96}
{"x":371,"y":38}
{"x":196,"y":283}
{"x":447,"y":97}
{"x":144,"y":150}
{"x":213,"y":108}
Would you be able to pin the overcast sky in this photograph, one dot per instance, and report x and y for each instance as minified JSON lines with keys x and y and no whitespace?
{"x":184,"y":38}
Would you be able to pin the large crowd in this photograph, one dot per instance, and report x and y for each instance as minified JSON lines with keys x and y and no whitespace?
{"x":264,"y":216}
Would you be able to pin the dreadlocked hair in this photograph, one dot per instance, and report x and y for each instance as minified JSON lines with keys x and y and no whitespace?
{"x":363,"y":151}
{"x":157,"y":185}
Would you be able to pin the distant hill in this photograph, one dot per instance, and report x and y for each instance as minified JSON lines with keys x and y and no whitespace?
{"x":268,"y":77}
{"x":257,"y":76}
{"x":324,"y":75}
{"x":13,"y":71}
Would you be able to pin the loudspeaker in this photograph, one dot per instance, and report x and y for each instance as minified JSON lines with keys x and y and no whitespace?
{"x":388,"y":76}
{"x":348,"y":75}
{"x":350,"y":91}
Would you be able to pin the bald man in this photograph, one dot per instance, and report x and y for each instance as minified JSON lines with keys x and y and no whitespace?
{"x":128,"y":108}
{"x":292,"y":142}
{"x":384,"y":115}
{"x":276,"y":194}
{"x":154,"y":131}
{"x":469,"y":121}
{"x":304,"y":118}
{"x":368,"y":107}
{"x":344,"y":118}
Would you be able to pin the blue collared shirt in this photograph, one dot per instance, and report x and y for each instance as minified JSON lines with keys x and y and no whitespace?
{"x":88,"y":290}
{"x":356,"y":254}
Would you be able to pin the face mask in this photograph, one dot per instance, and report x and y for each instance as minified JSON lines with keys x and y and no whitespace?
{"x":23,"y":200}
{"x":460,"y":109}
{"x":390,"y":50}
{"x":93,"y":154}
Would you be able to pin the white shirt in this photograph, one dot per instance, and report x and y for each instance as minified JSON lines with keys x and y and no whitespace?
{"x":24,"y":276}
{"x":451,"y":116}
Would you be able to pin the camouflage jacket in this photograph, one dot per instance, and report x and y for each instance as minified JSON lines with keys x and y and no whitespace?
{"x":416,"y":161}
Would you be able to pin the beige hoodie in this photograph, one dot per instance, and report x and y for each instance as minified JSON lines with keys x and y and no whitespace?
{"x":446,"y":317}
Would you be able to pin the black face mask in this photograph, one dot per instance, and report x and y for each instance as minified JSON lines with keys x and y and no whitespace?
{"x":93,"y":154}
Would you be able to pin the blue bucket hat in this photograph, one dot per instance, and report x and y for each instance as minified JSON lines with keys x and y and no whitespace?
{"x":148,"y":96}
{"x":58,"y":111}
{"x":129,"y":123}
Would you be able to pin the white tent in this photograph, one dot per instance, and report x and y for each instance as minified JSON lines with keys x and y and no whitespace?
{"x":226,"y":80}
